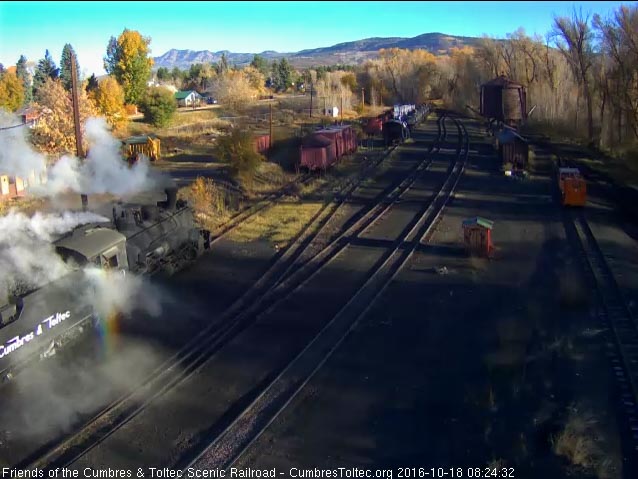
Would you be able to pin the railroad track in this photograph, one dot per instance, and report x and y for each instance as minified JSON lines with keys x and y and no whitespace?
{"x":614,"y":315}
{"x":230,"y":444}
{"x":180,"y":366}
{"x":272,"y":198}
{"x":612,"y":311}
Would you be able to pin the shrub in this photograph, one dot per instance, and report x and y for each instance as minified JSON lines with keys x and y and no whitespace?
{"x":238,"y":150}
{"x":207,"y":199}
{"x":158,"y":106}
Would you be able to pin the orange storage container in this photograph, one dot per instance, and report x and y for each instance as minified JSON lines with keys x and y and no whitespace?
{"x":477,"y":236}
{"x":573,"y":187}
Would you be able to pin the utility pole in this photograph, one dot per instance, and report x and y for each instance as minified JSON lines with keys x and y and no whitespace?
{"x":76,"y":122}
{"x":311,"y":100}
{"x":270,"y":136}
{"x":342,"y":109}
{"x":363,"y":99}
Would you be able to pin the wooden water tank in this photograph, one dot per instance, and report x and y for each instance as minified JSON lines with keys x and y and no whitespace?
{"x":503,"y":100}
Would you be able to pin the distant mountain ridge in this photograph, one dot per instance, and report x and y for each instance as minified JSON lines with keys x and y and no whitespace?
{"x":348,"y":52}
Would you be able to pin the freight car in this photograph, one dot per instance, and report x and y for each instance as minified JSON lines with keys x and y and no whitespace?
{"x":317,"y":152}
{"x":324,"y":147}
{"x":262,"y":143}
{"x":142,"y":239}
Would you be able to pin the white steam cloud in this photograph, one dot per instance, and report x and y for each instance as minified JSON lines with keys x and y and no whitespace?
{"x":111,"y":292}
{"x":103,"y":171}
{"x":27,"y":257}
{"x":17,"y":157}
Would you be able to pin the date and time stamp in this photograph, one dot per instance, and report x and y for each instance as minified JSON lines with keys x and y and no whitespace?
{"x":256,"y":473}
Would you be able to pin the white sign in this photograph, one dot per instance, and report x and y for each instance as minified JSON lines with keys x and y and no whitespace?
{"x":18,"y":341}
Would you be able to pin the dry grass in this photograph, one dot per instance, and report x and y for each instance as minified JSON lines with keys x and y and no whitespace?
{"x":269,"y":178}
{"x":27,"y":205}
{"x":580,"y":443}
{"x":209,"y":202}
{"x":279,"y":224}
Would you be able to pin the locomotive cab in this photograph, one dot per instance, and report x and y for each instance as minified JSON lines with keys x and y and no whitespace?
{"x":102,"y":247}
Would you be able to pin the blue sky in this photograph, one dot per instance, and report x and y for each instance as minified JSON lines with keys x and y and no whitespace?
{"x":31,"y":27}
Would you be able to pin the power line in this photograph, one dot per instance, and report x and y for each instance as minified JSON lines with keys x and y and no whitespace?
{"x":13,"y":126}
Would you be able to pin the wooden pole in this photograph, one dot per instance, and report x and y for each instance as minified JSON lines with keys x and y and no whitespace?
{"x":342,"y":109}
{"x":311,"y":100}
{"x":363,"y":99}
{"x":76,"y":121}
{"x":270,"y":136}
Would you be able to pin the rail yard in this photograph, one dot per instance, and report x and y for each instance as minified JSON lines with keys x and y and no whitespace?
{"x":444,"y":313}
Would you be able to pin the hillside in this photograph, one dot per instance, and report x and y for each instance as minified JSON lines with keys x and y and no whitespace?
{"x":348,"y":52}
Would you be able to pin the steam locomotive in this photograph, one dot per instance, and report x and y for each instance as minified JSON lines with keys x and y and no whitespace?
{"x":143,"y":239}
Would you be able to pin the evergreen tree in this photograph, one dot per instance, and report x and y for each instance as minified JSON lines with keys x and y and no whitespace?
{"x":46,"y":69}
{"x":92,"y":83}
{"x":163,"y":74}
{"x":260,"y":63}
{"x":65,"y":66}
{"x":176,"y":74}
{"x":2,"y":70}
{"x":222,"y":67}
{"x":282,"y":75}
{"x":24,"y":75}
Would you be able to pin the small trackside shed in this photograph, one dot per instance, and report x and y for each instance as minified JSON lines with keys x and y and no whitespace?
{"x":477,"y":236}
{"x":513,"y":148}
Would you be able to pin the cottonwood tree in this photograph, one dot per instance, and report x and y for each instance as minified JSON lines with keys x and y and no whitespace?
{"x":109,"y":101}
{"x":127,"y":59}
{"x":55,"y":130}
{"x":11,"y":91}
{"x":234,"y":88}
{"x":619,"y":40}
{"x":574,"y":41}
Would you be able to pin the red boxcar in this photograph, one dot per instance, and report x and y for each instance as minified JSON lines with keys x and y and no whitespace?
{"x":317,"y":152}
{"x":336,"y":137}
{"x":344,"y":138}
{"x":262,"y":143}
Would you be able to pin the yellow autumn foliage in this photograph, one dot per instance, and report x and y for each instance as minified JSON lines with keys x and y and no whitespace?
{"x":11,"y":92}
{"x":109,"y":100}
{"x":55,"y":131}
